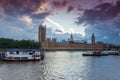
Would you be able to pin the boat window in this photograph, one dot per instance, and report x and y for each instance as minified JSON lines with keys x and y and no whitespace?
{"x":17,"y":52}
{"x":10,"y":58}
{"x":24,"y":58}
{"x":11,"y":53}
{"x":37,"y":55}
{"x":16,"y":57}
{"x":30,"y":53}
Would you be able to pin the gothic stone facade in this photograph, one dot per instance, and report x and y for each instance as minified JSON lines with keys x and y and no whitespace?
{"x":49,"y":44}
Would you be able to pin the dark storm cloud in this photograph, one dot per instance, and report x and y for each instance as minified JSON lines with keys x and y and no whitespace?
{"x":103,"y":20}
{"x":30,"y":7}
{"x":59,"y":3}
{"x":63,"y":4}
{"x":70,"y":8}
{"x":20,"y":7}
{"x":102,"y":12}
{"x":41,"y":15}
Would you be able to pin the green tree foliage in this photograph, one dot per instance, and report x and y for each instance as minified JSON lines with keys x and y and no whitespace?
{"x":23,"y":44}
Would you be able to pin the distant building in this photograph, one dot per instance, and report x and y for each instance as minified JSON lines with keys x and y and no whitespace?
{"x":52,"y":44}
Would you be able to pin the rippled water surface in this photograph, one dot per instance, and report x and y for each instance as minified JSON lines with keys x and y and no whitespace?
{"x":63,"y":65}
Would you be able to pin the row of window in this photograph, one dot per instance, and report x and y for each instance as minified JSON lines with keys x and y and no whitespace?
{"x":30,"y":53}
{"x":36,"y":56}
{"x":22,"y":58}
{"x":17,"y":58}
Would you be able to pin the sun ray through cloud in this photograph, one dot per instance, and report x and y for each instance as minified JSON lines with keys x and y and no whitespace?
{"x":56,"y":24}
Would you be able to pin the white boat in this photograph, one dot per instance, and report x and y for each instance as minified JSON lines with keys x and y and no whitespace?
{"x":11,"y":55}
{"x":95,"y":53}
{"x":114,"y":52}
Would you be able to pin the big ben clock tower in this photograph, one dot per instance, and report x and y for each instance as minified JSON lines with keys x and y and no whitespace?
{"x":42,"y":35}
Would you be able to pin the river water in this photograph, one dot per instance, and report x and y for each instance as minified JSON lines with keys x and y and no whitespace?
{"x":63,"y":65}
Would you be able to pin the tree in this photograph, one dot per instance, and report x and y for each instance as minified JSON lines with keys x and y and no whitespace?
{"x":24,"y":44}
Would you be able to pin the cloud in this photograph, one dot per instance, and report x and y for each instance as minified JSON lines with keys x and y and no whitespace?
{"x":34,"y":8}
{"x":68,"y":5}
{"x":42,"y":8}
{"x":61,"y":37}
{"x":18,"y":8}
{"x":70,"y":8}
{"x":59,"y":3}
{"x":105,"y":37}
{"x":81,"y":30}
{"x":103,"y":19}
{"x":1,"y":11}
{"x":101,"y":30}
{"x":100,"y":19}
{"x":57,"y":31}
{"x":119,"y":34}
{"x":11,"y":27}
{"x":101,"y":13}
{"x":56,"y":24}
{"x":26,"y":19}
{"x":41,"y":15}
{"x":14,"y":33}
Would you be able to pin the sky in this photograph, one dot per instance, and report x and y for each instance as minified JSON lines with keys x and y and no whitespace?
{"x":20,"y":19}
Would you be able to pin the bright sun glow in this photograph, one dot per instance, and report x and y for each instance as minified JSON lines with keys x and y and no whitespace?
{"x":56,"y":24}
{"x":78,"y":30}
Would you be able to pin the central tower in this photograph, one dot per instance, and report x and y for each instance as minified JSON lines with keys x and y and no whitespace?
{"x":93,"y":39}
{"x":71,"y":39}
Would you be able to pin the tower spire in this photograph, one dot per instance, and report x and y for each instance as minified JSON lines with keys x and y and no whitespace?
{"x":71,"y":38}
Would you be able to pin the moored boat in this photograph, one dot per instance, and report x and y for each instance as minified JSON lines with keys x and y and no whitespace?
{"x":94,"y":53}
{"x":21,"y":55}
{"x":114,"y":53}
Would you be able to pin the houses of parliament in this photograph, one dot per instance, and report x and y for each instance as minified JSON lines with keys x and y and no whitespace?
{"x":52,"y":44}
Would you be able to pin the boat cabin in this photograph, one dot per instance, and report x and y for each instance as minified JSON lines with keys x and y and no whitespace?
{"x":22,"y":55}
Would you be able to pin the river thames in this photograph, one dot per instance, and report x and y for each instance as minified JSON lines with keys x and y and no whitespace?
{"x":63,"y":65}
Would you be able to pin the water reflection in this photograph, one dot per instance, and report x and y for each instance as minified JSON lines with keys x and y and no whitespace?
{"x":63,"y":65}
